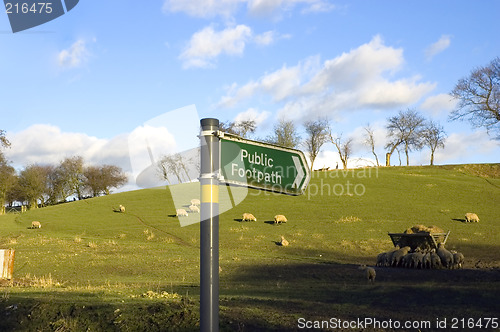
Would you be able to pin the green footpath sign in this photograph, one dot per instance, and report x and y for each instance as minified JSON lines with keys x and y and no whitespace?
{"x":262,"y":165}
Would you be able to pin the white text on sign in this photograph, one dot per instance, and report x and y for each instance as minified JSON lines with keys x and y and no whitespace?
{"x":260,"y":159}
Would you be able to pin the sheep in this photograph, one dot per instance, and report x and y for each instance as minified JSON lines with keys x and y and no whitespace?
{"x":381,"y":259}
{"x":195,"y":201}
{"x":435,"y":260}
{"x":279,"y":218}
{"x":122,"y":208}
{"x":426,"y":261}
{"x":418,"y":258}
{"x":36,"y":224}
{"x":458,"y":259}
{"x":445,"y":255}
{"x":283,"y":242}
{"x":248,"y":217}
{"x":390,"y":253}
{"x":181,"y":213}
{"x":398,"y":255}
{"x":194,"y":208}
{"x":405,"y":260}
{"x":412,"y":260}
{"x":471,"y":217}
{"x":370,"y":273}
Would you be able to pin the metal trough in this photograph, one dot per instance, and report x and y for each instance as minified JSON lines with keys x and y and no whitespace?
{"x":419,"y":240}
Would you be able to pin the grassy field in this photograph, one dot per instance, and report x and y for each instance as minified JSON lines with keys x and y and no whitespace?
{"x":91,"y":268}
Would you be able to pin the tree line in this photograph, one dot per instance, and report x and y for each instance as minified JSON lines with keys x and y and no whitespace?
{"x":478,"y":97}
{"x":41,"y":185}
{"x":407,"y":131}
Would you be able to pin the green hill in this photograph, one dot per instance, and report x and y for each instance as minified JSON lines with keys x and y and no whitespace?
{"x":86,"y":252}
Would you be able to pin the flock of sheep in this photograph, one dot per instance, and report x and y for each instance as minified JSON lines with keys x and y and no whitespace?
{"x":193,"y":208}
{"x":278,"y":219}
{"x":421,"y":259}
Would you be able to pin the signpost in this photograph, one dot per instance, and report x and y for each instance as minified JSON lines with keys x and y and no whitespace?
{"x":263,"y":166}
{"x":234,"y":160}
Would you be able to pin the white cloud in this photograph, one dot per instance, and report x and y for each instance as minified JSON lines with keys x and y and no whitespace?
{"x":202,"y":8}
{"x":253,"y":114}
{"x":228,"y":8}
{"x":319,"y":7}
{"x":47,"y":144}
{"x":207,"y":44}
{"x":265,"y":38}
{"x":279,"y":84}
{"x":442,"y":44}
{"x":441,"y":103}
{"x":358,"y":79}
{"x":74,"y":56}
{"x":271,"y":7}
{"x":468,"y":147}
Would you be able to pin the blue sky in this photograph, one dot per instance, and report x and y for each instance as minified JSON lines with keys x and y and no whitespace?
{"x":84,"y":82}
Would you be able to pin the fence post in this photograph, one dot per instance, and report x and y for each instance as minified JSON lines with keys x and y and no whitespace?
{"x":6,"y":263}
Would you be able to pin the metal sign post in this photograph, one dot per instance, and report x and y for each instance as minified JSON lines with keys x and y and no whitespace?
{"x":246,"y":163}
{"x":209,"y":226}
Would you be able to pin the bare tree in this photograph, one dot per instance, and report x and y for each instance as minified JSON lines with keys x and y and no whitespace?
{"x":182,"y":164}
{"x":284,"y":134}
{"x":370,"y":140}
{"x":344,"y":148}
{"x":175,"y":165}
{"x":478,"y":98}
{"x":433,"y":136}
{"x":240,"y":128}
{"x":317,"y":135}
{"x":404,"y":128}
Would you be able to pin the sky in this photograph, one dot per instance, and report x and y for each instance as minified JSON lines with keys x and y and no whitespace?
{"x":122,"y":82}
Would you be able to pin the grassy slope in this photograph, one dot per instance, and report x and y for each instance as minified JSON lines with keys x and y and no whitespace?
{"x":90,"y":249}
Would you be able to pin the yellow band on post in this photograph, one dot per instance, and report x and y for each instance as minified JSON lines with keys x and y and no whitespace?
{"x":209,"y":193}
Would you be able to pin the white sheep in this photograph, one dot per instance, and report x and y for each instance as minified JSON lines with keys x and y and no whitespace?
{"x":398,"y":255}
{"x":445,"y":255}
{"x":194,"y":209}
{"x":279,"y":218}
{"x":381,"y":259}
{"x":458,"y":259}
{"x":390,"y":253}
{"x":122,"y":208}
{"x":415,"y":260}
{"x":471,"y":217}
{"x":426,"y":261}
{"x":195,"y":201}
{"x":405,"y":260}
{"x":36,"y":224}
{"x":435,"y":260}
{"x":283,"y":242}
{"x":248,"y":217}
{"x":181,"y":213}
{"x":370,"y":273}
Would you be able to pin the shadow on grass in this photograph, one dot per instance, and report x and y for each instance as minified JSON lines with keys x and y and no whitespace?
{"x":311,"y":290}
{"x":75,"y":311}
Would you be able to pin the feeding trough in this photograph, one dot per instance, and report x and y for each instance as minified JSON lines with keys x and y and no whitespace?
{"x":422,"y":240}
